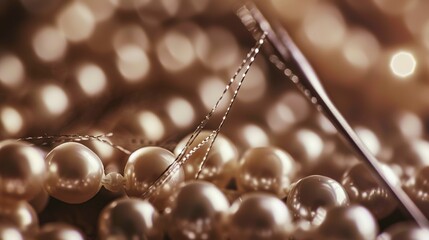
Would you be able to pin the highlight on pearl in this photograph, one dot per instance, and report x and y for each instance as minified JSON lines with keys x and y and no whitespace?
{"x":59,"y":231}
{"x":74,"y":173}
{"x":20,"y":214}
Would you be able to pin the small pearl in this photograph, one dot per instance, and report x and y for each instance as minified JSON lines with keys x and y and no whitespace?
{"x":20,"y":214}
{"x":198,"y":212}
{"x":411,"y":156}
{"x":143,"y":168}
{"x":22,"y":170}
{"x":313,"y":193}
{"x":10,"y":232}
{"x":418,"y":189}
{"x":129,"y":218}
{"x":364,"y":188}
{"x":221,"y":161}
{"x":266,"y":169}
{"x":347,"y":222}
{"x":259,"y":216}
{"x":113,"y":182}
{"x":59,"y":231}
{"x":74,"y":173}
{"x":401,"y":231}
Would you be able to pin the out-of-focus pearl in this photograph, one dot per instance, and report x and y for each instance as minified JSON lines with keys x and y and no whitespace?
{"x":129,"y":219}
{"x":221,"y":161}
{"x":8,"y":231}
{"x":74,"y":173}
{"x":198,"y":212}
{"x":22,"y":170}
{"x":59,"y":231}
{"x":259,"y":216}
{"x":265,"y":169}
{"x":20,"y":214}
{"x":401,"y":231}
{"x":418,"y":189}
{"x":364,"y":188}
{"x":144,"y":167}
{"x":347,"y":222}
{"x":411,"y":156}
{"x":314,"y":193}
{"x":40,"y":201}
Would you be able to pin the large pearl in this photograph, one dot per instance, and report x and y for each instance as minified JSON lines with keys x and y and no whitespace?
{"x":221,"y":161}
{"x":59,"y":231}
{"x":74,"y":173}
{"x":129,"y":218}
{"x":364,"y":188}
{"x":313,"y":192}
{"x":144,"y":167}
{"x":266,"y":169}
{"x":401,"y":231}
{"x":198,"y":212}
{"x":22,"y":170}
{"x":259,"y":216}
{"x":347,"y":222}
{"x":10,"y":232}
{"x":20,"y":214}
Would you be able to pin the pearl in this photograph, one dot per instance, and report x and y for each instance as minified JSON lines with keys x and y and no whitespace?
{"x":8,"y":231}
{"x":347,"y":222}
{"x":22,"y":170}
{"x":59,"y":231}
{"x":40,"y":201}
{"x":198,"y":212}
{"x":259,"y":216}
{"x":313,"y":193}
{"x":402,"y":231}
{"x":143,"y":168}
{"x":265,"y":169}
{"x":221,"y":161}
{"x":418,"y":189}
{"x":363,"y":187}
{"x":129,"y":218}
{"x":20,"y":214}
{"x":411,"y":156}
{"x":74,"y":173}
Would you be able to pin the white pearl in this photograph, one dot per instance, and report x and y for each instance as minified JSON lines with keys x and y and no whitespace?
{"x":259,"y":216}
{"x":22,"y":170}
{"x":198,"y":212}
{"x":129,"y":218}
{"x":74,"y":173}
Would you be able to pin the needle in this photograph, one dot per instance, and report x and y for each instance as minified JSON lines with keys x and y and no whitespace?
{"x":282,"y":50}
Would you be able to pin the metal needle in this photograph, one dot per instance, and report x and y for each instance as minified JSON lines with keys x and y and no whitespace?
{"x":308,"y":82}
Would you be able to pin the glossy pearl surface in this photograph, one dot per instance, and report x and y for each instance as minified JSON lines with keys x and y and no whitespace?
{"x":313,"y":192}
{"x":402,"y":231}
{"x":22,"y":170}
{"x":221,"y":161}
{"x":143,"y":168}
{"x":19,"y":214}
{"x":74,"y":173}
{"x":364,"y":188}
{"x":9,"y":231}
{"x":198,"y":212}
{"x":129,"y":218}
{"x":265,"y":169}
{"x":59,"y":231}
{"x":259,"y":216}
{"x":348,"y":222}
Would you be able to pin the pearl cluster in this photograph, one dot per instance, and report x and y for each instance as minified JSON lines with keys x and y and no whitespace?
{"x":148,"y":70}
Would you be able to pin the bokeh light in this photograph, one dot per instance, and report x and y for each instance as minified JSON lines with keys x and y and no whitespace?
{"x":403,"y":64}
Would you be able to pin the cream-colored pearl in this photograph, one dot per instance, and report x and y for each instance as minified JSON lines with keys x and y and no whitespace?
{"x":347,"y":222}
{"x":313,"y":192}
{"x":221,"y":161}
{"x":402,"y":231}
{"x":114,"y":182}
{"x":22,"y":170}
{"x":265,"y":169}
{"x":74,"y":173}
{"x":59,"y":231}
{"x":364,"y":188}
{"x":20,"y":214}
{"x":129,"y":218}
{"x":10,"y":232}
{"x":198,"y":212}
{"x":259,"y":216}
{"x":144,"y":167}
